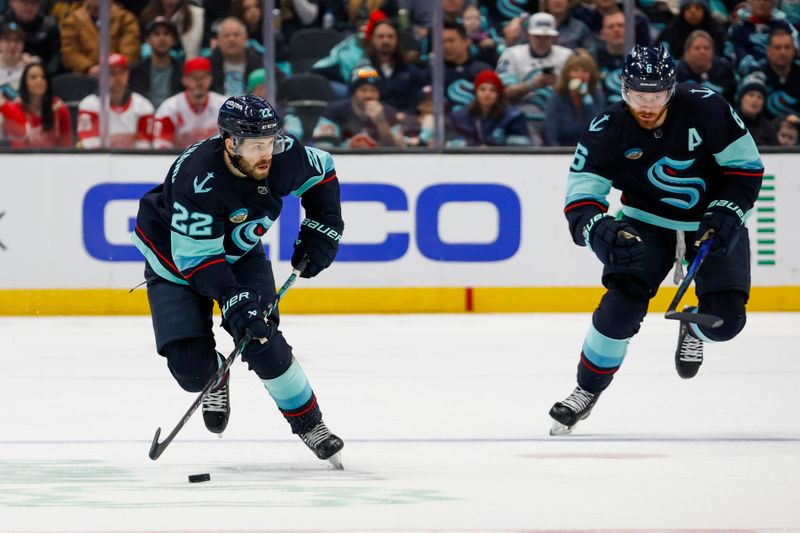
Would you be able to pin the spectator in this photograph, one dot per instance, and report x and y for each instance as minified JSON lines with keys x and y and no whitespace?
{"x":750,"y":106}
{"x":488,"y":120}
{"x":189,"y":116}
{"x":130,"y":121}
{"x":530,"y":70}
{"x":249,"y":12}
{"x":700,"y":65}
{"x":37,"y":119}
{"x":788,"y":131}
{"x":572,"y":33}
{"x":611,"y":55}
{"x":360,"y":121}
{"x":12,"y":59}
{"x":577,"y":99}
{"x":482,"y":45}
{"x":232,"y":62}
{"x":782,"y":74}
{"x":418,"y":127}
{"x":42,"y":39}
{"x":460,"y":68}
{"x":189,"y":20}
{"x":748,"y":38}
{"x":694,"y":15}
{"x":159,"y":76}
{"x":593,"y":17}
{"x":399,"y":82}
{"x":80,"y":37}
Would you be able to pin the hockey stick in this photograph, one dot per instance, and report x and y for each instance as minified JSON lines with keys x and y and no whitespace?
{"x":157,"y":448}
{"x":709,"y":321}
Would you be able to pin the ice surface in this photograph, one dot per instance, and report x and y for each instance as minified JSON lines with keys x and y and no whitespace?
{"x":445,"y":424}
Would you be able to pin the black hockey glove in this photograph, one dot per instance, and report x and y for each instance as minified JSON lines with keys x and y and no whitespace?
{"x":723,"y":219}
{"x":615,"y":242}
{"x":319,"y":242}
{"x":240,"y":310}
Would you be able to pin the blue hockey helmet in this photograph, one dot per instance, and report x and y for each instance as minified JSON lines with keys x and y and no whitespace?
{"x":648,"y":69}
{"x":248,"y":116}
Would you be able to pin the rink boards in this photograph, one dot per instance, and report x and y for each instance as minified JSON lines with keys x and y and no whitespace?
{"x":424,"y":232}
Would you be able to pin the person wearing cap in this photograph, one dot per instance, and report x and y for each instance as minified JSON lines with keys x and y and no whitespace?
{"x":360,"y":121}
{"x":158,"y":76}
{"x":750,"y":98}
{"x":700,"y":65}
{"x":530,"y":70}
{"x":694,"y":15}
{"x":189,"y":20}
{"x":191,"y":115}
{"x":751,"y":33}
{"x":12,"y":59}
{"x":130,"y":121}
{"x":80,"y":37}
{"x":782,"y":74}
{"x":42,"y":39}
{"x":488,"y":120}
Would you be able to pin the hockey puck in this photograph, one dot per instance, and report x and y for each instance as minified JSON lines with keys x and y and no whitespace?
{"x":199,"y":478}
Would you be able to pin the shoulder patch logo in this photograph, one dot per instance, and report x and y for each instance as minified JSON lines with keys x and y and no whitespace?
{"x":705,"y":91}
{"x":597,"y":122}
{"x":200,"y":186}
{"x":238,"y":216}
{"x":634,"y":153}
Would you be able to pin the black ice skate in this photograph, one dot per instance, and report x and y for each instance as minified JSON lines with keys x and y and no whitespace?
{"x":324,"y":444}
{"x":217,"y":407}
{"x":689,"y":355}
{"x":568,"y":412}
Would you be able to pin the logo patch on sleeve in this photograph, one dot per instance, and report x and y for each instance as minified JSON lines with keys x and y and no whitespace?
{"x":634,"y":153}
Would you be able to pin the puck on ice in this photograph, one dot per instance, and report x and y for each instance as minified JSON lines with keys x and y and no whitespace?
{"x":198,"y":478}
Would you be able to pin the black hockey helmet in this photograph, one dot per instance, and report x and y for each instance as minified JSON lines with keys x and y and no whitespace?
{"x":648,"y":69}
{"x":248,"y":116}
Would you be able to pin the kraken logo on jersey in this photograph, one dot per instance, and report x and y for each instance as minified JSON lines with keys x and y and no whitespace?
{"x":248,"y":235}
{"x":705,"y":91}
{"x":662,"y":174}
{"x":597,"y":122}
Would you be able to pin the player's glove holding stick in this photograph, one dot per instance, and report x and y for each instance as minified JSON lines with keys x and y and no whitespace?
{"x":614,"y":242}
{"x":721,"y":220}
{"x":319,"y":242}
{"x":241,"y":311}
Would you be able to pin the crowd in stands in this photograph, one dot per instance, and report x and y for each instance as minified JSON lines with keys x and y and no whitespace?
{"x":357,"y":73}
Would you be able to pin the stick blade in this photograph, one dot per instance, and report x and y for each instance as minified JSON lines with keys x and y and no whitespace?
{"x":155,"y":449}
{"x":708,"y":321}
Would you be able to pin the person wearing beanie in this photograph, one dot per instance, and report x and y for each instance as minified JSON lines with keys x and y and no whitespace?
{"x":750,"y":98}
{"x":130,"y":121}
{"x":191,"y":115}
{"x":255,"y":83}
{"x":158,"y":76}
{"x":488,"y":120}
{"x":360,"y":121}
{"x":694,"y":15}
{"x":700,"y":65}
{"x":578,"y":96}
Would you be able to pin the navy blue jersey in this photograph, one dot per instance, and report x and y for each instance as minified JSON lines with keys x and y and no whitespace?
{"x":203,"y":217}
{"x":668,"y":176}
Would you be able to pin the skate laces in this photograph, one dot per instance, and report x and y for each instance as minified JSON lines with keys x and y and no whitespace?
{"x":216,"y":400}
{"x":691,"y":349}
{"x":314,"y":437}
{"x":579,"y":399}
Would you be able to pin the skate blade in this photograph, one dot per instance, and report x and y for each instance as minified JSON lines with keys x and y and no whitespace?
{"x":560,"y":429}
{"x":336,"y":461}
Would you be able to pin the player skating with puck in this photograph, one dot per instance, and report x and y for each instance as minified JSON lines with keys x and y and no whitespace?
{"x":688,"y":170}
{"x":200,"y":232}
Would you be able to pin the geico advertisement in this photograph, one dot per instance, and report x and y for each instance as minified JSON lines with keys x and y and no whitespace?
{"x":411,"y":220}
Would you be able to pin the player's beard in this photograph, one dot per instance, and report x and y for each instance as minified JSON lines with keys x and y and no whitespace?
{"x":653,"y":121}
{"x":258,"y":170}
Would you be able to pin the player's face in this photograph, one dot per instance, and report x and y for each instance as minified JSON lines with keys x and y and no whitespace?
{"x":255,"y":156}
{"x":647,"y":108}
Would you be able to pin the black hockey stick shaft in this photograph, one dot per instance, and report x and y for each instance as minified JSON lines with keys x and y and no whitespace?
{"x":157,"y":448}
{"x":710,"y":321}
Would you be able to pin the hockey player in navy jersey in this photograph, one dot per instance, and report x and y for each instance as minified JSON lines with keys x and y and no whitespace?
{"x":688,"y":170}
{"x":200,"y":232}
